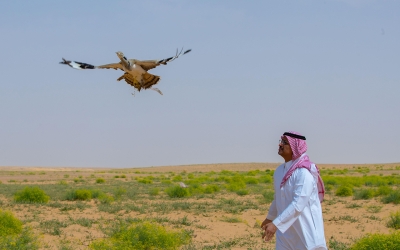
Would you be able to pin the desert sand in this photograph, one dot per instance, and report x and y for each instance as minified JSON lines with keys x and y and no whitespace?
{"x":345,"y":219}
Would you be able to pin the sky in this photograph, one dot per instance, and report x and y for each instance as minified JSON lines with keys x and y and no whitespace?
{"x":327,"y":69}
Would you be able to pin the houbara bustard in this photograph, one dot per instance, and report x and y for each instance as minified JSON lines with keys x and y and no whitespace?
{"x":135,"y":70}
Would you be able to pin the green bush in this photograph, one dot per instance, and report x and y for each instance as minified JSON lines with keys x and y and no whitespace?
{"x":242,"y":192}
{"x":119,"y":191}
{"x":383,"y":190}
{"x":196,"y":188}
{"x":394,"y":220}
{"x":344,"y":191}
{"x":269,"y":196}
{"x":378,"y":242}
{"x":9,"y":225}
{"x":62,"y":182}
{"x":265,"y":179}
{"x":80,"y":194}
{"x":96,"y":193}
{"x":143,"y":236}
{"x":236,"y":183}
{"x":364,"y":194}
{"x":145,"y":181}
{"x":31,"y":195}
{"x":392,"y":197}
{"x":154,"y":191}
{"x":177,"y":192}
{"x":26,"y":240}
{"x":251,"y":180}
{"x":100,"y":180}
{"x":177,"y":178}
{"x":83,"y":194}
{"x":210,"y":189}
{"x":105,"y":198}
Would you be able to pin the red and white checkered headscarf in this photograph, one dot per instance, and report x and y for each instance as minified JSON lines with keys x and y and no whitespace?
{"x":298,"y":146}
{"x":301,"y":160}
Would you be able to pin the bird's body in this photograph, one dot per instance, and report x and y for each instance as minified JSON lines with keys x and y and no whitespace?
{"x":135,"y":70}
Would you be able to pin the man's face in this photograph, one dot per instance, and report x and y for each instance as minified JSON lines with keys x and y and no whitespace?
{"x":284,"y":149}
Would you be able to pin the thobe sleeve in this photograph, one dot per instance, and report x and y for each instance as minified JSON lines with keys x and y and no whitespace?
{"x":303,"y":188}
{"x":273,"y":211}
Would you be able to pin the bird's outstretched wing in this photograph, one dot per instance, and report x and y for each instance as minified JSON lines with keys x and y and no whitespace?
{"x":151,"y":64}
{"x":77,"y":65}
{"x":81,"y":65}
{"x":110,"y":66}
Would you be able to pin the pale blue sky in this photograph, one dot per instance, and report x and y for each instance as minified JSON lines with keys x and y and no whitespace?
{"x":328,"y":69}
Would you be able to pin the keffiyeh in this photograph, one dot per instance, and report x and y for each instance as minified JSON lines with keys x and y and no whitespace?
{"x":300,"y":159}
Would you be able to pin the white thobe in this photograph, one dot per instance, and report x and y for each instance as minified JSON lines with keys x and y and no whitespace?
{"x":296,"y":210}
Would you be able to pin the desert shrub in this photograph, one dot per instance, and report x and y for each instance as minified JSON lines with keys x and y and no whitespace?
{"x":242,"y":192}
{"x":190,"y":176}
{"x":105,"y":198}
{"x":154,"y":191}
{"x":363,"y":194}
{"x":96,"y":193}
{"x":394,"y":220}
{"x":265,"y":179}
{"x":177,"y":192}
{"x":83,"y":194}
{"x":210,"y":189}
{"x":330,"y":181}
{"x":344,"y":191}
{"x":177,"y":178}
{"x":100,"y":180}
{"x":337,"y":245}
{"x":268,"y":196}
{"x":383,"y":190}
{"x":378,"y":242}
{"x":143,"y":236}
{"x":9,"y":224}
{"x":166,"y":182}
{"x":122,"y":176}
{"x":251,"y":180}
{"x":62,"y":182}
{"x":119,"y":191}
{"x":80,"y":194}
{"x":145,"y":180}
{"x":31,"y":195}
{"x":236,"y":183}
{"x":392,"y":197}
{"x":195,"y":189}
{"x":329,"y":187}
{"x":374,"y":209}
{"x":26,"y":240}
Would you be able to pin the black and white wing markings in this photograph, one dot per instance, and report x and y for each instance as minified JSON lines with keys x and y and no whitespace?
{"x":77,"y":65}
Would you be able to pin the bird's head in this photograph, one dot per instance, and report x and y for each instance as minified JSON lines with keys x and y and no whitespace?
{"x":121,"y":55}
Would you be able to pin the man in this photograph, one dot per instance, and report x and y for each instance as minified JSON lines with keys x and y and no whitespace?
{"x":295,"y":214}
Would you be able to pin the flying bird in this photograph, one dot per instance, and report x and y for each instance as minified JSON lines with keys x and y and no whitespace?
{"x":135,"y":70}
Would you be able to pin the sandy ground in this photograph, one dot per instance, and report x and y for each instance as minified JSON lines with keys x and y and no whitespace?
{"x":345,"y":219}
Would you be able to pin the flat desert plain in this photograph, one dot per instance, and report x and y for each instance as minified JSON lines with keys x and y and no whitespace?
{"x":221,"y":207}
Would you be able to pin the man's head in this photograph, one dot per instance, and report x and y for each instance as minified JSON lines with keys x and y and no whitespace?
{"x":292,"y":146}
{"x":284,"y":149}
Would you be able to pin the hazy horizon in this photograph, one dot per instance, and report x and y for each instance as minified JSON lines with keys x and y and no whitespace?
{"x":327,"y":69}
